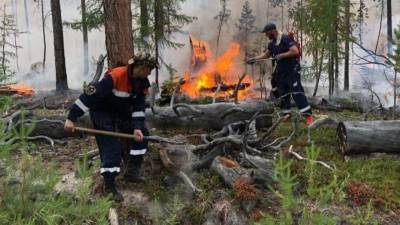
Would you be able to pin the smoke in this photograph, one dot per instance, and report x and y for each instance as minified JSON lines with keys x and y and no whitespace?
{"x":30,"y":55}
{"x":378,"y":77}
{"x":205,"y":28}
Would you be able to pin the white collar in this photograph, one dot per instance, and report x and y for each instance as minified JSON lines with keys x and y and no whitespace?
{"x":279,"y":38}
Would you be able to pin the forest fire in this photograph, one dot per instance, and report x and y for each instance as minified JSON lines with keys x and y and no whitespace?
{"x":20,"y":89}
{"x":210,"y":76}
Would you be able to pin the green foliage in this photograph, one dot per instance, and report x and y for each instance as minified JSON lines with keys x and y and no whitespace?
{"x":320,"y":194}
{"x":94,"y":16}
{"x":173,"y":209}
{"x":27,"y":187}
{"x":285,"y":182}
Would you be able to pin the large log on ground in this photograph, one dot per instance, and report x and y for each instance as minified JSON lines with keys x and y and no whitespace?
{"x":53,"y":126}
{"x":363,"y":137}
{"x":354,"y":103}
{"x":48,"y":100}
{"x":211,"y":116}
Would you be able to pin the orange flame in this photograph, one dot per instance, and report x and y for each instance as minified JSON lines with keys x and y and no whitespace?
{"x":21,"y":89}
{"x":222,"y":70}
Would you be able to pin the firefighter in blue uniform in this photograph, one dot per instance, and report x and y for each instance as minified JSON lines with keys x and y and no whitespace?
{"x":117,"y":103}
{"x":286,"y":82}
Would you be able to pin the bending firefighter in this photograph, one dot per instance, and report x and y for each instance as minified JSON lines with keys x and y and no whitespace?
{"x":286,"y":82}
{"x":117,"y":103}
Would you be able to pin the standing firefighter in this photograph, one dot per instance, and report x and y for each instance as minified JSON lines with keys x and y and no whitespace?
{"x":117,"y":103}
{"x":286,"y":81}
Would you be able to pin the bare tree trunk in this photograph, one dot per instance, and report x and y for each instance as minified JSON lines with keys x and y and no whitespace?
{"x":159,"y":31}
{"x":331,"y":66}
{"x":61,"y":73}
{"x":85,"y":39}
{"x":15,"y":12}
{"x":347,"y":48}
{"x":144,"y":19}
{"x":3,"y":45}
{"x":118,"y":29}
{"x":222,"y":19}
{"x":389,"y":25}
{"x":44,"y":32}
{"x":318,"y":72}
{"x":27,"y":26}
{"x":336,"y":52}
{"x":380,"y":26}
{"x":26,"y":16}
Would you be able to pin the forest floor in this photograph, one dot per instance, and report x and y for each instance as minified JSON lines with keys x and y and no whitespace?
{"x":361,"y":190}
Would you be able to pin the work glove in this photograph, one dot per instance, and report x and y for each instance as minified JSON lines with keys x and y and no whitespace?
{"x":277,"y":57}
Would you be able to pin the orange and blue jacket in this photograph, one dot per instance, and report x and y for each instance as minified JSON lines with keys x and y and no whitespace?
{"x":116,"y":94}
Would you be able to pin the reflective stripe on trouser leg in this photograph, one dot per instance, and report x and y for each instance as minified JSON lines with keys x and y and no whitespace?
{"x":300,"y":97}
{"x":109,"y":147}
{"x":140,"y":148}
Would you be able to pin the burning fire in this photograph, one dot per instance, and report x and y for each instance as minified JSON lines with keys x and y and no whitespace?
{"x":20,"y":89}
{"x":220,"y":74}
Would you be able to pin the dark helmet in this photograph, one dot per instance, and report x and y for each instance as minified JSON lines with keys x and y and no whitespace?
{"x":268,"y":27}
{"x":144,"y":59}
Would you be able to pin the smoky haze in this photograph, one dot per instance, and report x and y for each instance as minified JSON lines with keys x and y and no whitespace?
{"x":205,"y":28}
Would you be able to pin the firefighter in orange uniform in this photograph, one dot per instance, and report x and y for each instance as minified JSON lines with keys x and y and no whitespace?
{"x":117,"y":103}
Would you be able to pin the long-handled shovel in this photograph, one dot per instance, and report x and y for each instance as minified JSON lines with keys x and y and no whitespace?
{"x":124,"y":135}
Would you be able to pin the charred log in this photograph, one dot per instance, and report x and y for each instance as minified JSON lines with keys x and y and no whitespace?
{"x":364,"y":137}
{"x":212,"y":116}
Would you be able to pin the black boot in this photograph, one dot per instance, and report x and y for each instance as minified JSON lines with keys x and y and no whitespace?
{"x":109,"y":187}
{"x":133,"y":172}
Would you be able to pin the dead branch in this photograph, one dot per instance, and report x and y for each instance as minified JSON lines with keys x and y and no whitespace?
{"x":176,"y":90}
{"x":188,"y":182}
{"x":298,"y":156}
{"x":236,"y":92}
{"x":217,"y":92}
{"x":113,"y":216}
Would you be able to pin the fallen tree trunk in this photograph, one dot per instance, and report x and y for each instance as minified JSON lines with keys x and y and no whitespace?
{"x":356,"y":103}
{"x":364,"y":137}
{"x":211,"y":116}
{"x":48,"y":100}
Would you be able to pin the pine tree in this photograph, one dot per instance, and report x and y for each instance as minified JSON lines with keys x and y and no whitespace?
{"x":7,"y":31}
{"x":326,"y":25}
{"x":246,"y":27}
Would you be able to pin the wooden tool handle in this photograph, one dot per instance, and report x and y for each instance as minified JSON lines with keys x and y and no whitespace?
{"x":103,"y":132}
